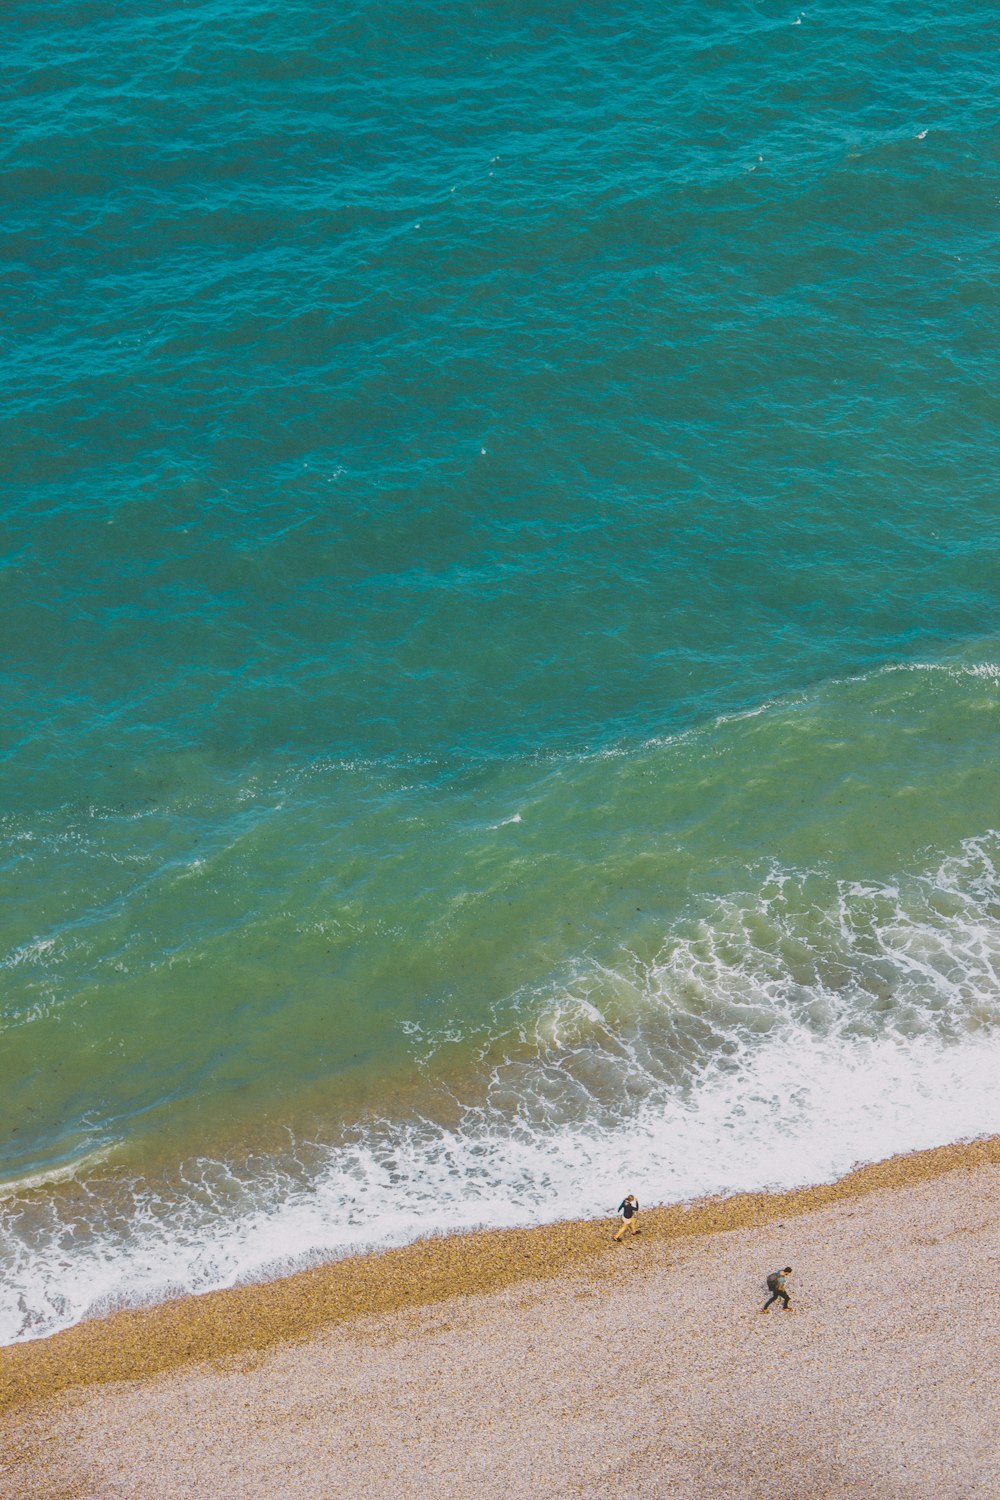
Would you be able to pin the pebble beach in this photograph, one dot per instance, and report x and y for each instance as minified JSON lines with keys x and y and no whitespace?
{"x":557,"y":1362}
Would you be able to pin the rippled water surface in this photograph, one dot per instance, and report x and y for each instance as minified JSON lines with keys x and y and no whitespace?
{"x":501,"y":646}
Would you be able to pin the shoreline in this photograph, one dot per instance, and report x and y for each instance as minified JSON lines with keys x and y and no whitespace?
{"x":218,"y":1327}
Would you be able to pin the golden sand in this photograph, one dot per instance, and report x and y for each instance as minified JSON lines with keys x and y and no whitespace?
{"x":214,"y":1327}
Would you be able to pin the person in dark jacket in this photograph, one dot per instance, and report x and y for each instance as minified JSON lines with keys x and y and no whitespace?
{"x":776,"y":1286}
{"x":628,"y":1208}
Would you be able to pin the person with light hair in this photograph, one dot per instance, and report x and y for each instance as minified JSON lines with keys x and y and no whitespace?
{"x":628,"y":1209}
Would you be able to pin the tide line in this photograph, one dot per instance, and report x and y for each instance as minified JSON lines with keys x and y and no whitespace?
{"x":134,"y":1345}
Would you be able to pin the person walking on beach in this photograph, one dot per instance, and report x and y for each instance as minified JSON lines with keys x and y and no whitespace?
{"x":629,"y":1210}
{"x":776,"y":1286}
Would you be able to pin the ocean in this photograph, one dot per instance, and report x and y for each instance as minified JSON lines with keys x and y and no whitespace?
{"x":500,"y":616}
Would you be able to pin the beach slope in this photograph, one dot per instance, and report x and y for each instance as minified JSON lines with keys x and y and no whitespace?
{"x":556,"y":1363}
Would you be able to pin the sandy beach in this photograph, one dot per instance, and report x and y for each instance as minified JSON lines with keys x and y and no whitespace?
{"x":555,"y":1362}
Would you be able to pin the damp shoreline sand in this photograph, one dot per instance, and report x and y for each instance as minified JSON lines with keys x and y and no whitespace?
{"x":545,"y":1358}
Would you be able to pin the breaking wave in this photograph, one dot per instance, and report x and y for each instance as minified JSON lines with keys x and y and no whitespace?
{"x":781,"y":1036}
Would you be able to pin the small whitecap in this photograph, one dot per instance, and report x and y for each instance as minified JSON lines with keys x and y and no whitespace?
{"x":29,"y":952}
{"x":920,"y":135}
{"x":503,"y":824}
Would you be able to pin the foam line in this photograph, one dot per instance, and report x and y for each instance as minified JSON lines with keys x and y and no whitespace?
{"x":782,"y":1037}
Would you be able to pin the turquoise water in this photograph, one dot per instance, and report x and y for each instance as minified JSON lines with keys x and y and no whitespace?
{"x":501,"y":619}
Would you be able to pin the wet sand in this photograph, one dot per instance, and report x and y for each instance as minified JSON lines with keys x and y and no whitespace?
{"x":558,"y":1363}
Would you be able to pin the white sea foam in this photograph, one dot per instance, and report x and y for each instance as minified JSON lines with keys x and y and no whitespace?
{"x":783,"y":1036}
{"x":805,"y":1110}
{"x":29,"y":952}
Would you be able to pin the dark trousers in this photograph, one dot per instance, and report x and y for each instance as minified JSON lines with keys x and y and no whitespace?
{"x":774,"y":1297}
